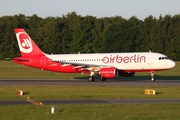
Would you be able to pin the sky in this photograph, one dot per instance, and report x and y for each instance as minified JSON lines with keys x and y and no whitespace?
{"x":97,"y":8}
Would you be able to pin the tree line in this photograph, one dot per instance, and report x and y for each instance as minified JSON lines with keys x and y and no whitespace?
{"x":73,"y":33}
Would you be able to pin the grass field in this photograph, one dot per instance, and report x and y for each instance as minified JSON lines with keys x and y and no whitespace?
{"x":92,"y":112}
{"x":85,"y":92}
{"x":9,"y":70}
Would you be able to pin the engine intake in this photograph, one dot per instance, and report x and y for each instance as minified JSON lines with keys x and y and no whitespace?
{"x":126,"y":74}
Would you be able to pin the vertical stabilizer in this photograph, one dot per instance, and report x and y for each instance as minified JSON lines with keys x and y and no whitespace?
{"x":27,"y":46}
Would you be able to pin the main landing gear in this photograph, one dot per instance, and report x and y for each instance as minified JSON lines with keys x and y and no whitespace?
{"x":91,"y":79}
{"x":103,"y":79}
{"x":152,"y":76}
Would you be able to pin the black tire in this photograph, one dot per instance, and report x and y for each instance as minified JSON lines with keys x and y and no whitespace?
{"x":90,"y":79}
{"x":103,"y":79}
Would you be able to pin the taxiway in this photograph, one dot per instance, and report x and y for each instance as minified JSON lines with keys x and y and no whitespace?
{"x":76,"y":82}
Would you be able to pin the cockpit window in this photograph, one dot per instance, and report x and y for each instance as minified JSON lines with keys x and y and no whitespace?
{"x":163,"y":58}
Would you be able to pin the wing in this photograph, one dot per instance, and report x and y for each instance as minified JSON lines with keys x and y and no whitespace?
{"x":91,"y":67}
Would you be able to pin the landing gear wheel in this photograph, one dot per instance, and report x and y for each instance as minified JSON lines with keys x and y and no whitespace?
{"x":91,"y":79}
{"x":103,"y":79}
{"x":152,"y":77}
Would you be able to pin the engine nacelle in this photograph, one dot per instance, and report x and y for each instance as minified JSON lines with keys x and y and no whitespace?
{"x":126,"y":74}
{"x":108,"y":72}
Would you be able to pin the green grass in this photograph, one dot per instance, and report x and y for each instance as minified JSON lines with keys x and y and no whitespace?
{"x":92,"y":112}
{"x":85,"y":92}
{"x":10,"y":70}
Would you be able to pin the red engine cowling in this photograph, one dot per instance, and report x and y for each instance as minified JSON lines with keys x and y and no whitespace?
{"x":108,"y":72}
{"x":126,"y":74}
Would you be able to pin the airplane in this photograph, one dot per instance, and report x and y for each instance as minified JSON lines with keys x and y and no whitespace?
{"x":107,"y":65}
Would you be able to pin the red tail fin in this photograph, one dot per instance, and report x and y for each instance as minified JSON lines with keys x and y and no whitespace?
{"x":26,"y":44}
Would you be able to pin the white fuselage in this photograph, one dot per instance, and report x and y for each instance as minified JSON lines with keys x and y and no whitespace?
{"x":122,"y":61}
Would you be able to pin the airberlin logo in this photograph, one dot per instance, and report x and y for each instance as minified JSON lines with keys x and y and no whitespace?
{"x":24,"y":42}
{"x":136,"y":58}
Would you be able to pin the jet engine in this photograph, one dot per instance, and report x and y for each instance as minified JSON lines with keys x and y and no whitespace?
{"x":108,"y":72}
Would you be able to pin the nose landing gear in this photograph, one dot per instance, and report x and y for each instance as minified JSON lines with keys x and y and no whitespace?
{"x":152,"y":76}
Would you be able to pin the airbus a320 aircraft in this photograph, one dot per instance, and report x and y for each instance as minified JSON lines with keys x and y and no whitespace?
{"x":107,"y":65}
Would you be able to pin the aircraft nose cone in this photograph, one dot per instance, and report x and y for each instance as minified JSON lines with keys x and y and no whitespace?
{"x":172,"y":64}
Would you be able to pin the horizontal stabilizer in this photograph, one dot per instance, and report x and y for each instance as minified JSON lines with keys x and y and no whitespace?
{"x":21,"y":59}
